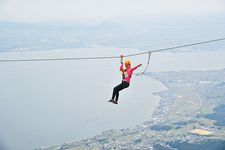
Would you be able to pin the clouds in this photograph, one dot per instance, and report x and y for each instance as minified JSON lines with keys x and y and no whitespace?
{"x":99,"y":10}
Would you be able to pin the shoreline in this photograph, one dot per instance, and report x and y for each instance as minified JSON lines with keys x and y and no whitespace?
{"x":151,"y":119}
{"x":155,"y":131}
{"x":154,"y":116}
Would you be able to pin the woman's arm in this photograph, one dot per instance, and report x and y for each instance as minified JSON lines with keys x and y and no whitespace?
{"x":121,"y":61}
{"x":121,"y":67}
{"x":134,"y":68}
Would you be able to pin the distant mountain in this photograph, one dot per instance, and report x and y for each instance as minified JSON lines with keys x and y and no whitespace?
{"x":144,"y":35}
{"x":57,"y":25}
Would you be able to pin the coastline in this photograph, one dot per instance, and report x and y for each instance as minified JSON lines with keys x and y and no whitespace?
{"x":158,"y":113}
{"x":154,"y":118}
{"x":67,"y":103}
{"x":163,"y":129}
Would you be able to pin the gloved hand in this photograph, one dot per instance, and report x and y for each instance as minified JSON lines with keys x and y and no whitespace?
{"x":139,"y":65}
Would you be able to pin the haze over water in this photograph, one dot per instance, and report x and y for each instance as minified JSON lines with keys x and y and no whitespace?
{"x":46,"y":103}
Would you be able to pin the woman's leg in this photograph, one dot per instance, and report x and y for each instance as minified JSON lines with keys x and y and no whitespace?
{"x":116,"y":91}
{"x":117,"y":96}
{"x":120,"y":87}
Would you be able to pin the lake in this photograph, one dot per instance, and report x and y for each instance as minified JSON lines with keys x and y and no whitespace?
{"x":47,"y":103}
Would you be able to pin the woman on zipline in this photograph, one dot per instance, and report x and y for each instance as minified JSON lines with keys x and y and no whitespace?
{"x":126,"y":75}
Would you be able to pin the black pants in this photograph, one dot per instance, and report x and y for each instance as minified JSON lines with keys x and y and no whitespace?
{"x":118,"y":88}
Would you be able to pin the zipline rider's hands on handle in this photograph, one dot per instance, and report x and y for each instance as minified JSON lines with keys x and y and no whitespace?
{"x":121,"y":60}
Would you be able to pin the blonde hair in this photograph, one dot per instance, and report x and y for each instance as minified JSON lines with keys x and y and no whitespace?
{"x":128,"y":62}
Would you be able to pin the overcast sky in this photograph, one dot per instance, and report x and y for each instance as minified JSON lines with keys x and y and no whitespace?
{"x":101,"y":10}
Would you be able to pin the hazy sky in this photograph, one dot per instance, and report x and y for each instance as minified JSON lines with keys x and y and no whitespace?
{"x":100,"y":10}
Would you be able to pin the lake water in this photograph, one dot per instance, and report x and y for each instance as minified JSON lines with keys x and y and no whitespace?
{"x":47,"y":103}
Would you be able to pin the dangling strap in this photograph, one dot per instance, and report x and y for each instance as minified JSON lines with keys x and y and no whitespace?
{"x":148,"y":62}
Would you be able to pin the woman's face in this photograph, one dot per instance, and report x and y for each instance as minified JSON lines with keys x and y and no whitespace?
{"x":127,"y":66}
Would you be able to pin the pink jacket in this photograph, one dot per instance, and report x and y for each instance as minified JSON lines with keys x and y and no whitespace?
{"x":127,"y":73}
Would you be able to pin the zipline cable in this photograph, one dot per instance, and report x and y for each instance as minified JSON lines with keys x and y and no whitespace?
{"x":109,"y":57}
{"x":176,"y":47}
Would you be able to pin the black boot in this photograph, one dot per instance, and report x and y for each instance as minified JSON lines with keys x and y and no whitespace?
{"x":115,"y":102}
{"x":111,"y":100}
